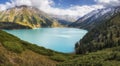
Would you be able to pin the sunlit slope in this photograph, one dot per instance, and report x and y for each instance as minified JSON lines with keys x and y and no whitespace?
{"x":28,"y":16}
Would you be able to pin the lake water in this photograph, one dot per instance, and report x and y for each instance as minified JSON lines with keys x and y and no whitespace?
{"x":58,"y":39}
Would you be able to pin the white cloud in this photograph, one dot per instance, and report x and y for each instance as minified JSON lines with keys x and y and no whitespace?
{"x":21,"y":2}
{"x":108,"y":3}
{"x":5,"y":6}
{"x":73,"y":11}
{"x":46,"y":6}
{"x":2,"y":7}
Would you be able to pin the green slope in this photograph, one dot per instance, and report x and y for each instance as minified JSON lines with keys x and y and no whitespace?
{"x":15,"y":52}
{"x":106,"y":57}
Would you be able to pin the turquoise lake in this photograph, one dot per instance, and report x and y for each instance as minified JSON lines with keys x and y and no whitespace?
{"x":58,"y":39}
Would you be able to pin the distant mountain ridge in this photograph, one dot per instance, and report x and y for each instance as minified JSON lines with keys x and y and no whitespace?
{"x":64,"y":19}
{"x":28,"y":16}
{"x":95,"y":17}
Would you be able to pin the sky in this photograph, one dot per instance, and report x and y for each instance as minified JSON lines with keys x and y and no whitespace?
{"x":69,"y":3}
{"x":73,"y":8}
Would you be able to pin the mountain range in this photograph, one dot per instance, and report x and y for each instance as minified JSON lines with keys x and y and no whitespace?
{"x":95,"y":17}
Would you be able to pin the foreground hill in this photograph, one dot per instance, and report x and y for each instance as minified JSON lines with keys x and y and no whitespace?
{"x":105,"y":57}
{"x":15,"y":52}
{"x":28,"y":17}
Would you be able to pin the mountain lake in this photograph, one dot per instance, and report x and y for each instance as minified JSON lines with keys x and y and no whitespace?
{"x":58,"y":39}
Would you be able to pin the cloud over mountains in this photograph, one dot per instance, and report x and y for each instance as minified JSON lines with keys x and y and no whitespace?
{"x":47,"y":6}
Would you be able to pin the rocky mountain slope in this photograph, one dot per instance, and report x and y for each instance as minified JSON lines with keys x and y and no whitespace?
{"x":28,"y":16}
{"x":90,"y":20}
{"x":64,"y":19}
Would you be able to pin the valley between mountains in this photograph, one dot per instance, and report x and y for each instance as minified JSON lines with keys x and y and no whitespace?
{"x":99,"y":47}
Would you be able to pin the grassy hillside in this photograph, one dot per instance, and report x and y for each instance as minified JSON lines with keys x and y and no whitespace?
{"x":106,"y":57}
{"x":15,"y":52}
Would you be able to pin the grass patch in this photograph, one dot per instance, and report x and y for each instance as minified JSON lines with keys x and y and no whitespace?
{"x":58,"y":58}
{"x":13,"y":46}
{"x":38,"y":49}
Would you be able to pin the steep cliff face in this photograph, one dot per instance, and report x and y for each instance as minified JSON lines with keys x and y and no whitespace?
{"x":28,"y":16}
